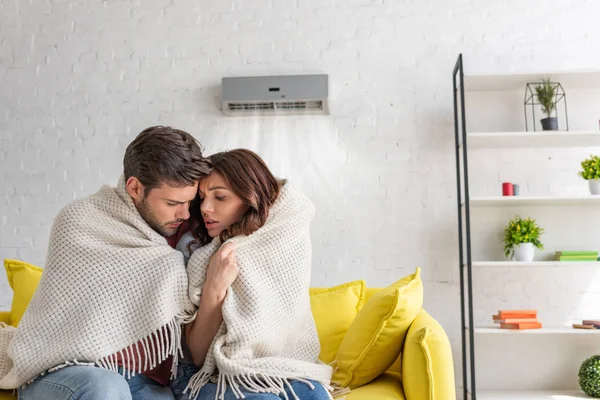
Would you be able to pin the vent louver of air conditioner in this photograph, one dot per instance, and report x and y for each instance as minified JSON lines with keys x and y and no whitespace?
{"x":275,"y":95}
{"x":274,"y":105}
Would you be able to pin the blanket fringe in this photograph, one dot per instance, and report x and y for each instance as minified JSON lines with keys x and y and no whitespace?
{"x":155,"y":348}
{"x":251,"y":382}
{"x":339,"y":391}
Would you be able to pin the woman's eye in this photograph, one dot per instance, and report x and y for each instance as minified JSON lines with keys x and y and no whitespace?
{"x":220,"y":198}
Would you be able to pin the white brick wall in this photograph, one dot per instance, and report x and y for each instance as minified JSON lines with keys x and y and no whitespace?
{"x":80,"y":79}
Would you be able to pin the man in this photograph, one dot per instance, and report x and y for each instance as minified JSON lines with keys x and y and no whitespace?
{"x":114,"y":291}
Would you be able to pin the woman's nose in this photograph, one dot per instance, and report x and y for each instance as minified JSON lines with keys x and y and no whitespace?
{"x":206,"y":206}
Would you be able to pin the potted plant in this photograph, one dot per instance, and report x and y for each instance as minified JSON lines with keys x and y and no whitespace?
{"x":590,"y":171}
{"x":521,"y":236}
{"x":546,"y":95}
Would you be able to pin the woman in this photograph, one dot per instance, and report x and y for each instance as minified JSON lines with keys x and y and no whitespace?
{"x":268,"y":347}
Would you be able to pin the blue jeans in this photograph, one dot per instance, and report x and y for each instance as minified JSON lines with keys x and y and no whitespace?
{"x":209,"y":391}
{"x":93,"y":383}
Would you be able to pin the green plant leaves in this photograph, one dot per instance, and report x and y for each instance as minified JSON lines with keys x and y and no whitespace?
{"x":546,"y":95}
{"x":590,"y":168}
{"x":521,"y":230}
{"x":589,"y":376}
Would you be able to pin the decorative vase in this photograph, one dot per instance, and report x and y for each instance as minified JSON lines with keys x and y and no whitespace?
{"x":594,"y":186}
{"x":589,"y":376}
{"x":524,"y":251}
{"x":549,"y":124}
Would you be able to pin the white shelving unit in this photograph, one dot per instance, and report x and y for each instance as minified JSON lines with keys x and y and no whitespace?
{"x":574,"y":79}
{"x":558,"y":330}
{"x":586,"y":81}
{"x":532,"y":395}
{"x":507,"y":140}
{"x":523,"y":264}
{"x":540,"y":201}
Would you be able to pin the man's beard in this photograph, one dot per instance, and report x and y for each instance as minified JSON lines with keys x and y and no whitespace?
{"x":153,"y":221}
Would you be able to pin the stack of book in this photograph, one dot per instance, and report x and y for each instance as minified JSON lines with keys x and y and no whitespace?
{"x":588,"y":324}
{"x":571,"y":256}
{"x":517,"y":319}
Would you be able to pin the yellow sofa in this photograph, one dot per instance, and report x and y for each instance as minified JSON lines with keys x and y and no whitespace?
{"x":423,"y":366}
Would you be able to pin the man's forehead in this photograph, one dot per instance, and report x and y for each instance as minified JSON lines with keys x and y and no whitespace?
{"x":177,"y":192}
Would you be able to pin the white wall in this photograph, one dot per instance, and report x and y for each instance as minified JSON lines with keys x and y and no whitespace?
{"x":80,"y":79}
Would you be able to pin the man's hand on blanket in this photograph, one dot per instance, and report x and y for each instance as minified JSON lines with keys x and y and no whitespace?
{"x":222,"y":271}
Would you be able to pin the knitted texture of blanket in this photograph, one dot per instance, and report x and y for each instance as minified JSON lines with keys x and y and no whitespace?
{"x":268,"y":335}
{"x":110,"y":281}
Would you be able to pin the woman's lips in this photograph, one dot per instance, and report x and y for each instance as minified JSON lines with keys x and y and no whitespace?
{"x":209,"y":223}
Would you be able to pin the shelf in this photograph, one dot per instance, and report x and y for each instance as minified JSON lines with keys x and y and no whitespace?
{"x":497,"y":140}
{"x":514,"y":201}
{"x":582,"y":79}
{"x":557,"y":330}
{"x":519,"y":264}
{"x":531,"y":394}
{"x":506,"y":89}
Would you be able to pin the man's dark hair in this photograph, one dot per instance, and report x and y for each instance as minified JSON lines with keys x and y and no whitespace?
{"x":164,"y":154}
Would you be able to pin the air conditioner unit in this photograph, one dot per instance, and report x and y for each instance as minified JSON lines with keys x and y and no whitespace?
{"x":275,"y":95}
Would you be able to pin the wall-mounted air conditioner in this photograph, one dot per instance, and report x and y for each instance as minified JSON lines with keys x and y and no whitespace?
{"x":275,"y":95}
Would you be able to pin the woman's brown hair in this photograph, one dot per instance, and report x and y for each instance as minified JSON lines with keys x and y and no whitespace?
{"x":251,"y":180}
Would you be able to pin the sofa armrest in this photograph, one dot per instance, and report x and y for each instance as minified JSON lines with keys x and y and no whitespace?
{"x":5,"y":317}
{"x":427,"y":365}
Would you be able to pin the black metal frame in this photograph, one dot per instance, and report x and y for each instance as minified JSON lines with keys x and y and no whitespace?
{"x":530,"y":100}
{"x":460,"y":138}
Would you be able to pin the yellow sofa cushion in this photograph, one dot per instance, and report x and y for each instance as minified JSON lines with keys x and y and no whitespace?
{"x":386,"y":387}
{"x":5,"y":317}
{"x":374,"y":340}
{"x":334,"y":309}
{"x":427,"y":367}
{"x":23,"y":278}
{"x":7,"y":395}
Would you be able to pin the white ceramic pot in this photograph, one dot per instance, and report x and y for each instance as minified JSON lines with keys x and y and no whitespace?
{"x":524,"y":251}
{"x":594,"y":186}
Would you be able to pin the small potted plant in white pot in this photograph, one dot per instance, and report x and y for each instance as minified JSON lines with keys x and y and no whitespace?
{"x":521,"y":237}
{"x":546,"y":95}
{"x":590,"y":171}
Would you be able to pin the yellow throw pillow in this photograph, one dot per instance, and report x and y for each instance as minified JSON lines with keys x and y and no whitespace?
{"x":23,"y":278}
{"x":428,"y":370}
{"x":374,"y":340}
{"x":334,"y":309}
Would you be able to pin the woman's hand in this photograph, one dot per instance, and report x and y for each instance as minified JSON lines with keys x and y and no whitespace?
{"x":222,"y":271}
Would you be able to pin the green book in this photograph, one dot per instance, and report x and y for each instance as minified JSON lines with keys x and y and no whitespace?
{"x":577,"y":253}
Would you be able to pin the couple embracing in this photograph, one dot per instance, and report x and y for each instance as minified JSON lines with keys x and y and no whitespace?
{"x":188,"y":280}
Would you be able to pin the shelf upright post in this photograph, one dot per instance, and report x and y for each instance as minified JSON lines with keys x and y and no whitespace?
{"x":460,"y":137}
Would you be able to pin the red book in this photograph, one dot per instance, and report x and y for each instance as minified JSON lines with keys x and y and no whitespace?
{"x":521,"y":326}
{"x":517,"y":314}
{"x":515,"y":320}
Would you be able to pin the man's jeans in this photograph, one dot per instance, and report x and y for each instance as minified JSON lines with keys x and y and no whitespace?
{"x":209,"y":391}
{"x":93,"y":383}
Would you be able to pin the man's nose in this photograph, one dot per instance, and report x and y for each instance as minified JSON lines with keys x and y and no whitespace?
{"x":183,"y":212}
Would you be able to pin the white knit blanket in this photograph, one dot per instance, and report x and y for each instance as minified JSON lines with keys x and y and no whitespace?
{"x":268,"y":335}
{"x":109,"y":282}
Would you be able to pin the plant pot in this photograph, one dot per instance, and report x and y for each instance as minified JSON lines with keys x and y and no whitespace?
{"x":524,"y":251}
{"x":594,"y":186}
{"x":549,"y":124}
